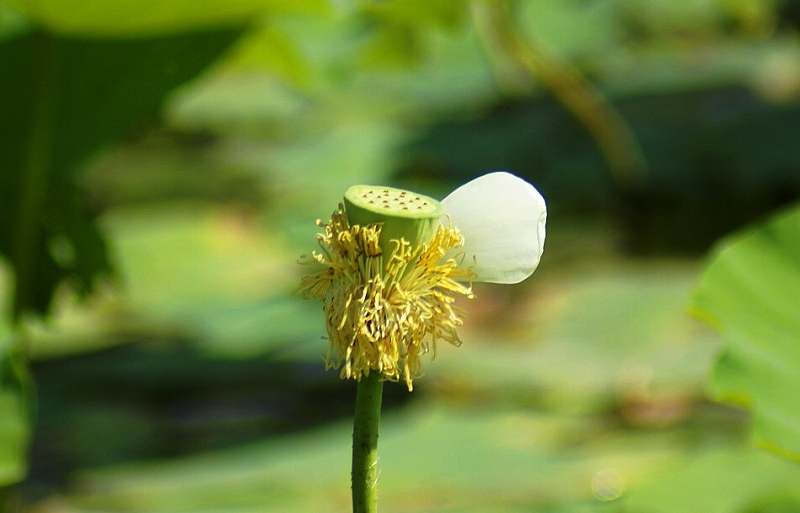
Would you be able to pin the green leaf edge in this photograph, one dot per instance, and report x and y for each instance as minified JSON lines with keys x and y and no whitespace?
{"x":700,"y":309}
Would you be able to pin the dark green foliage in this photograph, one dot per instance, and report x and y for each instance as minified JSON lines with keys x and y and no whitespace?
{"x":155,"y":398}
{"x":63,"y":99}
{"x":717,"y":159}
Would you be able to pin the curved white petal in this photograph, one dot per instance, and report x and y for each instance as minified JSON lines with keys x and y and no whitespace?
{"x":502,"y":218}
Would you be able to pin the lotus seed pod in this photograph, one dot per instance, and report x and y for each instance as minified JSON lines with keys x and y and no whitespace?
{"x":404,"y":214}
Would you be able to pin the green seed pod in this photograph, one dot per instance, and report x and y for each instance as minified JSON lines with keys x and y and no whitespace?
{"x":404,"y":214}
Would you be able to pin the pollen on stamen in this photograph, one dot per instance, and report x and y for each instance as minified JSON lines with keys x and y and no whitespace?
{"x":382,"y":318}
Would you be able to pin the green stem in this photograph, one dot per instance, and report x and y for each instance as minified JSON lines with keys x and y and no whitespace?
{"x":501,"y":33}
{"x":366,"y":424}
{"x":33,"y":181}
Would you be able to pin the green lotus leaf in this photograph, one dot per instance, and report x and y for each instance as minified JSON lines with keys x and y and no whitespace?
{"x":65,"y":98}
{"x":751,"y":292}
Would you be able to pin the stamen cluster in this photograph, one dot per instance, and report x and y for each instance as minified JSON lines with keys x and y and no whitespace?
{"x":382,"y":314}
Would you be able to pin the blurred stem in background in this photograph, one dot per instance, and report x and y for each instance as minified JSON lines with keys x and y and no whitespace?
{"x":34,"y":182}
{"x":15,"y":377}
{"x":507,"y":47}
{"x":18,"y":396}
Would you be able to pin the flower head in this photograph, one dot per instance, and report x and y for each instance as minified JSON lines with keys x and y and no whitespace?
{"x":395,"y":260}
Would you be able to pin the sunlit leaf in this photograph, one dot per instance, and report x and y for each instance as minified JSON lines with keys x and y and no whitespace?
{"x":751,"y":291}
{"x":271,"y":48}
{"x":734,"y":480}
{"x":135,"y":17}
{"x":447,"y":14}
{"x":508,"y":461}
{"x":400,"y":29}
{"x":392,"y":46}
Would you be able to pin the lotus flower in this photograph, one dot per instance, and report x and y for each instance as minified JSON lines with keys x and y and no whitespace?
{"x":395,"y":260}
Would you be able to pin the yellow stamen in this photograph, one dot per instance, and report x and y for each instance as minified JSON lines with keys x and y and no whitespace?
{"x":381,"y":315}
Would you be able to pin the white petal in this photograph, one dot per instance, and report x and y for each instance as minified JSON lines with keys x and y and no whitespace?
{"x":502,"y":218}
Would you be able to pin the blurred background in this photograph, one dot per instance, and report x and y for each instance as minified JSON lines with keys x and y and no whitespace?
{"x":163,"y":164}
